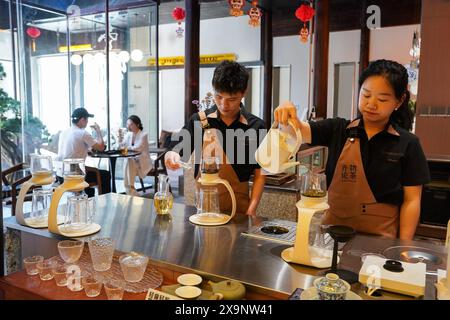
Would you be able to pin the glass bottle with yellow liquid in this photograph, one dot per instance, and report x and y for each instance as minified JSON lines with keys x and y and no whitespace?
{"x":163,"y":199}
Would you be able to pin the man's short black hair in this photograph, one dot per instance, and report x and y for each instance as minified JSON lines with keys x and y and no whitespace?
{"x":230,"y":77}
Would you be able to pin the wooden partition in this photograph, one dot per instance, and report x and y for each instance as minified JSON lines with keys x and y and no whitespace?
{"x":433,"y":101}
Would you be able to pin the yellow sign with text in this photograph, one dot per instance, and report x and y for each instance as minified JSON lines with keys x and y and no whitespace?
{"x":204,"y":59}
{"x":77,"y":47}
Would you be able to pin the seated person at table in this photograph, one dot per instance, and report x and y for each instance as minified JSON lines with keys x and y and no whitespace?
{"x":75,"y":142}
{"x":135,"y":140}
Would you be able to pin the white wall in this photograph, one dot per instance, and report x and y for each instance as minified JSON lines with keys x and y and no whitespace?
{"x":290,"y":51}
{"x":5,"y":45}
{"x":388,"y":43}
{"x":223,"y":35}
{"x":171,"y":99}
{"x":392,"y":43}
{"x":344,"y":47}
{"x":6,"y":84}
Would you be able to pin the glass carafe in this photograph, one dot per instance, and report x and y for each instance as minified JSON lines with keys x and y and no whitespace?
{"x":210,"y":165}
{"x":163,"y":199}
{"x":41,"y":166}
{"x":74,"y":169}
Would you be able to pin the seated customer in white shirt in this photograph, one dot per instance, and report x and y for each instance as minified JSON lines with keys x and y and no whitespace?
{"x":135,"y":140}
{"x":75,"y":142}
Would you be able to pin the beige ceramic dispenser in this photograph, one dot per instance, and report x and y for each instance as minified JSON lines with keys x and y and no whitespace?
{"x":443,"y":285}
{"x":210,"y":177}
{"x":309,"y":246}
{"x":42,"y":175}
{"x":74,"y":173}
{"x":278,"y":148}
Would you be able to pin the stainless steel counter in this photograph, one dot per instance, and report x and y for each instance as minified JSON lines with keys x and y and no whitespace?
{"x":219,"y":252}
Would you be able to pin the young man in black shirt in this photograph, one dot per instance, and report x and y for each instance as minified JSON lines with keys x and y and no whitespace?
{"x":236,"y":132}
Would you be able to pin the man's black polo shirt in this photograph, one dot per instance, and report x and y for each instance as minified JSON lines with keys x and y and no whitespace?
{"x":390,"y":161}
{"x":244,"y":121}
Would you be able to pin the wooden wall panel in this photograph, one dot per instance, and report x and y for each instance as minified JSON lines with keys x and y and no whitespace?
{"x":434,"y":79}
{"x":434,"y":134}
{"x":345,"y":15}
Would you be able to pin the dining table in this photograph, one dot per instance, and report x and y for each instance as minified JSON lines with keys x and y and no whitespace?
{"x":113,"y":155}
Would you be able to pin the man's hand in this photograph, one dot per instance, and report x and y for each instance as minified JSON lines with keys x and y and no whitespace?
{"x":96,"y":127}
{"x":171,"y":160}
{"x":251,"y":211}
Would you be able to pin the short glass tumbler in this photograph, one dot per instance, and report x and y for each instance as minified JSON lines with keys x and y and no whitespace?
{"x":46,"y":269}
{"x":60,"y":274}
{"x":101,"y":250}
{"x":30,"y":264}
{"x":92,"y":285}
{"x":114,"y":289}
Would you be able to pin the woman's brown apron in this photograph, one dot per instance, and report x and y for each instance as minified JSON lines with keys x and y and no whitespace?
{"x":211,"y":147}
{"x":351,"y":200}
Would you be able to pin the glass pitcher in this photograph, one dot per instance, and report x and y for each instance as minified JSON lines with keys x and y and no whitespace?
{"x":163,"y":199}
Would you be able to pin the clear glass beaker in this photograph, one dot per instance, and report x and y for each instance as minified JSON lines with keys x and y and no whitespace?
{"x":74,"y":168}
{"x":207,"y":199}
{"x":41,"y":165}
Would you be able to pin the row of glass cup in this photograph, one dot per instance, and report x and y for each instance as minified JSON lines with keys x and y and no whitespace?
{"x":133,"y":267}
{"x":79,"y":213}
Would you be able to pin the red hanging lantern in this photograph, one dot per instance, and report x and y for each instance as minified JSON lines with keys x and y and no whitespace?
{"x":236,"y":7}
{"x":304,"y":13}
{"x":179,"y":14}
{"x":33,"y":33}
{"x":255,"y":14}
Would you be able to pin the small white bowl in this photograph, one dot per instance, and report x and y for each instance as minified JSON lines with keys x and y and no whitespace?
{"x":189,"y":279}
{"x":188,"y":292}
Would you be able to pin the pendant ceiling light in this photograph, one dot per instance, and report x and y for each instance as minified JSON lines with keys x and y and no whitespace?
{"x":136,"y":55}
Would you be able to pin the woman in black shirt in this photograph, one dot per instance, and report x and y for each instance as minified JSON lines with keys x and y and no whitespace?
{"x":376,"y":167}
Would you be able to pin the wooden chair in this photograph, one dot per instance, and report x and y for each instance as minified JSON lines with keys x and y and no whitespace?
{"x":98,"y":180}
{"x":159,"y":165}
{"x":12,"y":179}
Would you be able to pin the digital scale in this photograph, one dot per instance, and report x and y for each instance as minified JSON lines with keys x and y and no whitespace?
{"x":394,"y":276}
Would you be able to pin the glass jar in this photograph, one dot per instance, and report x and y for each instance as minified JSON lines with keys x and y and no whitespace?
{"x":163,"y":199}
{"x":74,"y":169}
